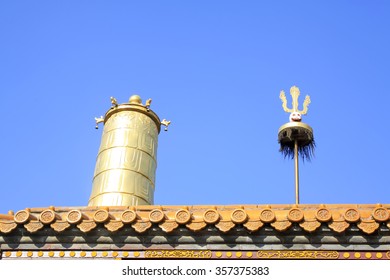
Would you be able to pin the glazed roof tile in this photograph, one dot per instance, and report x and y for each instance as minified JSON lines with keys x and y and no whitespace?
{"x":338,"y":218}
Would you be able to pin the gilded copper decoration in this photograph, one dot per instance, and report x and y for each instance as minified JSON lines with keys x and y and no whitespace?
{"x":294,"y":91}
{"x":295,"y":130}
{"x":178,"y":254}
{"x":325,"y":255}
{"x":296,"y":138}
{"x":202,"y":254}
{"x":126,"y":163}
{"x":114,"y":102}
{"x":165,"y":123}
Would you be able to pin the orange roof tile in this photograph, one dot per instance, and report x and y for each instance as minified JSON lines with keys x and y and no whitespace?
{"x":338,"y":218}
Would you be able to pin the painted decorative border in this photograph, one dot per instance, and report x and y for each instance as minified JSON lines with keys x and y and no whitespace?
{"x":200,"y":254}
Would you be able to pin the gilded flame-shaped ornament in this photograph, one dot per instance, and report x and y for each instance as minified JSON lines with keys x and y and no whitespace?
{"x":295,"y":137}
{"x":296,"y":131}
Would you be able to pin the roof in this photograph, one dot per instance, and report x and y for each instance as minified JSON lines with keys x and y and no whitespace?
{"x":367,"y":217}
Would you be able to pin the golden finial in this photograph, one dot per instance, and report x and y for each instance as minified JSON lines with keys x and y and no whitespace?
{"x":165,"y":123}
{"x":99,"y":120}
{"x":296,"y":115}
{"x":147,"y":103}
{"x":113,"y":101}
{"x":296,"y":138}
{"x":135,"y":99}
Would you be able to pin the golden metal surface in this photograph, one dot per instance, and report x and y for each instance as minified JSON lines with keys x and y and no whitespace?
{"x":298,"y":254}
{"x":296,"y":131}
{"x":98,"y":120}
{"x":295,"y":125}
{"x":126,"y":162}
{"x":148,"y":102}
{"x":300,"y":141}
{"x":294,"y":91}
{"x":114,"y":102}
{"x":298,"y":134}
{"x":178,"y":254}
{"x":296,"y":171}
{"x":165,"y":123}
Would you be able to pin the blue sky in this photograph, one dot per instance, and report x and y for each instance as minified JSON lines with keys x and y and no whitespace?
{"x":215,"y":69}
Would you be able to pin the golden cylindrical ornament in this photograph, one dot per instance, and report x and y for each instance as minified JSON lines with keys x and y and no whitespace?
{"x":126,"y":163}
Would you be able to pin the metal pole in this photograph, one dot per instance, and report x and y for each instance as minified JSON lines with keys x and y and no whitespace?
{"x":296,"y":172}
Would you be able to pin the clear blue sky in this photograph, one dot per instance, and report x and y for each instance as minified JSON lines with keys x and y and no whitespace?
{"x":215,"y":69}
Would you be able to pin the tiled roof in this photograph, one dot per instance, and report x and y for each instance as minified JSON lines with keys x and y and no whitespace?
{"x":338,"y":218}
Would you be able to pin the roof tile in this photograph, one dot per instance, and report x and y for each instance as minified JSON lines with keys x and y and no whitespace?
{"x":339,"y":217}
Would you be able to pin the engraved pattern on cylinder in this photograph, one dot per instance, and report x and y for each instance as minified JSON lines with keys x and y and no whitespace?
{"x":126,"y":164}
